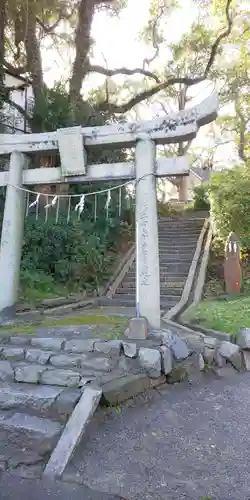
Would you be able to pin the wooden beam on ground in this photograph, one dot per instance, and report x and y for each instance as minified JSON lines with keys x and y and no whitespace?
{"x":165,"y":167}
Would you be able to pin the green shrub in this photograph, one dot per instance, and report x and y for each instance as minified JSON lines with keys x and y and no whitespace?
{"x":201,"y":197}
{"x":74,"y":253}
{"x":230,"y":202}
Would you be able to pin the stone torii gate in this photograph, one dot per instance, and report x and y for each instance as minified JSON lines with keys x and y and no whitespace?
{"x":72,"y":144}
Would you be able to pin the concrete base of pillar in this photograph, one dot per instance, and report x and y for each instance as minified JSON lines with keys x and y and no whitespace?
{"x":138,"y":328}
{"x":183,"y":190}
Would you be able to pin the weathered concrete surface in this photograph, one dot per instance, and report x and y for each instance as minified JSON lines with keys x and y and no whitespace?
{"x":187,"y":443}
{"x":28,"y":432}
{"x":16,"y":488}
{"x":73,"y":432}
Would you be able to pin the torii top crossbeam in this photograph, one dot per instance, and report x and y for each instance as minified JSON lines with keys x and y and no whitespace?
{"x":172,"y":128}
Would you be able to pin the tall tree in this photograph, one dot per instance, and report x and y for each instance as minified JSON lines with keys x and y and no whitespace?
{"x":29,"y":21}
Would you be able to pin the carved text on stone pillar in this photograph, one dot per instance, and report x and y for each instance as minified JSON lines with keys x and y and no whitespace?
{"x":143,"y":266}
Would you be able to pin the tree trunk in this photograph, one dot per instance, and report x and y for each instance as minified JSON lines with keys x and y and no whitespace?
{"x":34,"y":59}
{"x":83,"y":42}
{"x":242,"y":142}
{"x":2,"y":38}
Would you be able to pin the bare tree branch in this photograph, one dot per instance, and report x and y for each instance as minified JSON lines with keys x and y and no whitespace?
{"x":188,"y":81}
{"x":218,"y":40}
{"x":122,"y":71}
{"x":49,"y":29}
{"x":148,"y":61}
{"x":15,"y":71}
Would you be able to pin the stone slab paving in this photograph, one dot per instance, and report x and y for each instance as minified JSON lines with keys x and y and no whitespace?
{"x":191,"y":442}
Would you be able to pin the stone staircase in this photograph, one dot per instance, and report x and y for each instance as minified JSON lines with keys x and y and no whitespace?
{"x":46,"y":375}
{"x":177,"y":243}
{"x":42,"y":378}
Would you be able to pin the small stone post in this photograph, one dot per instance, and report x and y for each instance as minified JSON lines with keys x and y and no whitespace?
{"x":232,"y":265}
{"x":12,"y":235}
{"x":148,"y":273}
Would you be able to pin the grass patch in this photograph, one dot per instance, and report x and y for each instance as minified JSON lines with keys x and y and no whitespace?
{"x":222,"y":315}
{"x":114,"y":322}
{"x":86,"y":319}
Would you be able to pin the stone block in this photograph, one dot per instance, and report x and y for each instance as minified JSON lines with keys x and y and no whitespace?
{"x":138,"y":328}
{"x":210,"y":342}
{"x":178,"y":374}
{"x":187,"y":369}
{"x":110,"y":348}
{"x":180,"y":349}
{"x":130,"y":349}
{"x":123,"y":388}
{"x":150,"y":361}
{"x":13,"y":353}
{"x":63,"y":378}
{"x":68,"y":360}
{"x":38,"y":356}
{"x":23,"y":397}
{"x":246,"y":360}
{"x":178,"y":346}
{"x":243,"y":338}
{"x":227,"y":349}
{"x":79,"y":345}
{"x":208,"y":355}
{"x":219,"y":361}
{"x":231,"y":352}
{"x":65,"y":403}
{"x":29,"y":373}
{"x":99,"y":364}
{"x":6,"y":371}
{"x":20,"y":340}
{"x":201,"y":363}
{"x":166,"y":360}
{"x":31,"y":432}
{"x":53,"y":344}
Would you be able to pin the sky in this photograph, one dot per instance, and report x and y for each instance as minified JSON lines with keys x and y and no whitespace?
{"x":117,"y":44}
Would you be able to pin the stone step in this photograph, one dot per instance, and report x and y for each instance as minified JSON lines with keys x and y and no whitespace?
{"x":56,"y":361}
{"x":180,"y":225}
{"x":164,"y":292}
{"x":53,"y":402}
{"x":173,"y":259}
{"x":127,"y":301}
{"x":178,"y":285}
{"x":173,"y":268}
{"x":178,"y":238}
{"x":164,"y":275}
{"x":27,"y":435}
{"x":185,"y":249}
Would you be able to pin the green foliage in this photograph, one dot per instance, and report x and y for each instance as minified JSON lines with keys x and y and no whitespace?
{"x":201,"y":197}
{"x":76,"y":254}
{"x":230,"y":202}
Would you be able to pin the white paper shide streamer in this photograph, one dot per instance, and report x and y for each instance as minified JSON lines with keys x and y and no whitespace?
{"x":53,"y":202}
{"x":108,"y":202}
{"x":80,"y":206}
{"x":34,"y":203}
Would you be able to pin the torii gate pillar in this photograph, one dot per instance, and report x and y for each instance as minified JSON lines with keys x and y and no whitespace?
{"x":147,"y":251}
{"x":12,"y":235}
